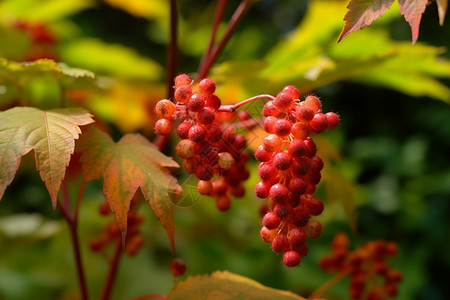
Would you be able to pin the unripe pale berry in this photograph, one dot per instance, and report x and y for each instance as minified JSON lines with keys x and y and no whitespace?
{"x":185,"y":148}
{"x":313,"y":102}
{"x":226,"y":160}
{"x":267,"y":234}
{"x":313,"y":228}
{"x":182,"y":79}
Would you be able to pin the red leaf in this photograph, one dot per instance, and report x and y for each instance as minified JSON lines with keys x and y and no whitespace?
{"x":412,"y":10}
{"x":362,"y":13}
{"x":131,"y":163}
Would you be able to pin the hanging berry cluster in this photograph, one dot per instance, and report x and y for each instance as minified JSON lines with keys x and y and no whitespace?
{"x":113,"y":235}
{"x":290,"y":172}
{"x":370,"y":276}
{"x":211,"y":151}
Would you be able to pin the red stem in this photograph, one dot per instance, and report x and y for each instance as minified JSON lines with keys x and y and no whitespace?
{"x":152,"y":296}
{"x":113,"y":266}
{"x":72,"y":221}
{"x":234,"y":107}
{"x":220,"y":10}
{"x":238,"y":15}
{"x":173,"y":48}
{"x":327,"y":285}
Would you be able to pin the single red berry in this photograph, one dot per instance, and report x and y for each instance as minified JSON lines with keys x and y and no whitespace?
{"x":280,"y":243}
{"x":204,"y":187}
{"x":310,"y":147}
{"x":182,"y":79}
{"x":300,"y":166}
{"x":262,"y":189}
{"x":283,"y":101}
{"x":313,"y":102}
{"x":207,"y":86}
{"x":300,"y":217}
{"x":318,"y":122}
{"x":282,"y":127}
{"x":292,"y":91}
{"x":163,"y":126}
{"x":214,"y":132}
{"x":262,"y":154}
{"x":197,"y":133}
{"x":204,"y":172}
{"x":312,"y":204}
{"x":278,"y":193}
{"x":267,"y":171}
{"x":298,"y":186}
{"x":213,"y":101}
{"x":304,"y":112}
{"x":196,"y":102}
{"x":296,"y":237}
{"x":177,"y":267}
{"x":223,"y":202}
{"x":282,"y":161}
{"x":291,"y":258}
{"x":270,"y":109}
{"x":268,"y":123}
{"x":165,"y":108}
{"x":271,"y":220}
{"x":272,"y":143}
{"x":332,"y":120}
{"x":300,"y":130}
{"x":296,"y":148}
{"x":206,"y":116}
{"x":183,"y":93}
{"x":268,"y":234}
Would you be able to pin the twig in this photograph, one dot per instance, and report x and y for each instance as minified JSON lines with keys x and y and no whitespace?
{"x":113,"y":266}
{"x":152,"y":296}
{"x":234,"y":107}
{"x":327,"y":285}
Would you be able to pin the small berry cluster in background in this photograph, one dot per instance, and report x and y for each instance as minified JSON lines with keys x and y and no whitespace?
{"x":290,"y":172}
{"x":112,"y":234}
{"x":211,"y":149}
{"x":370,"y":276}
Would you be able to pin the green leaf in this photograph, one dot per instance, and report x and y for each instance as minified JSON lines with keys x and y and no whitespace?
{"x":51,"y":134}
{"x":42,"y":11}
{"x":110,"y":59}
{"x":127,"y":165}
{"x":222,"y":285}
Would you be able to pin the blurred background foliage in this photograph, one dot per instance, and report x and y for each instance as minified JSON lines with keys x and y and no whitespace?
{"x":387,"y":175}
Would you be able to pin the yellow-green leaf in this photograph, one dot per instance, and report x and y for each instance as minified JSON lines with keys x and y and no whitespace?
{"x":223,"y":285}
{"x":51,"y":134}
{"x":127,"y":165}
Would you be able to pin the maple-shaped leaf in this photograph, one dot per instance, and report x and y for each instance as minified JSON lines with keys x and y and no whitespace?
{"x":51,"y":134}
{"x":412,"y":10}
{"x":125,"y":166}
{"x":362,"y":13}
{"x":222,"y":285}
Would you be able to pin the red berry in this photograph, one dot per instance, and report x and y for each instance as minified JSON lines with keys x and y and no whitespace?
{"x":313,"y":228}
{"x":183,"y":93}
{"x":318,"y":122}
{"x":183,"y":130}
{"x":204,"y":172}
{"x":291,"y":258}
{"x":204,"y":187}
{"x":282,"y":161}
{"x":207,"y":86}
{"x":300,"y":217}
{"x":296,"y":237}
{"x":300,"y":166}
{"x":196,"y":102}
{"x":292,"y":91}
{"x":272,"y":143}
{"x":313,"y":205}
{"x":268,"y":234}
{"x":332,"y":120}
{"x":304,"y":113}
{"x":262,"y":154}
{"x":270,"y":109}
{"x":283,"y":101}
{"x":313,"y":102}
{"x":316,"y":164}
{"x":310,"y":147}
{"x":300,"y":131}
{"x":280,"y":243}
{"x":267,"y":171}
{"x":282,"y":127}
{"x":213,"y":101}
{"x":214,"y":132}
{"x":297,"y":186}
{"x":177,"y":267}
{"x":268,"y":123}
{"x":182,"y":79}
{"x":206,"y":116}
{"x":223,"y":202}
{"x":197,"y":133}
{"x":296,"y":148}
{"x":262,"y":189}
{"x":271,"y":220}
{"x":165,"y":108}
{"x":163,"y":126}
{"x":278,"y":193}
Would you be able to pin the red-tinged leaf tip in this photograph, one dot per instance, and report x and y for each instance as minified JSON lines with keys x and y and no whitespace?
{"x":362,"y":13}
{"x":412,"y":11}
{"x":442,"y":10}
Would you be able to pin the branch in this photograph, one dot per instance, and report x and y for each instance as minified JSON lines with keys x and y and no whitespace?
{"x":152,"y":296}
{"x":113,"y":266}
{"x":238,"y":15}
{"x":327,"y":285}
{"x":233,"y":107}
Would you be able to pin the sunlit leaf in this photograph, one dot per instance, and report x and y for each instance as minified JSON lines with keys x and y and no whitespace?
{"x":51,"y":134}
{"x":127,"y":165}
{"x":143,"y":8}
{"x":110,"y":59}
{"x":362,"y":13}
{"x":412,"y":10}
{"x":222,"y":285}
{"x":42,"y":10}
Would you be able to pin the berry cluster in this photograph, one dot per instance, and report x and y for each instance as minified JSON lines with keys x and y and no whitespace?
{"x":290,"y":172}
{"x":112,"y":234}
{"x":370,"y":276}
{"x":211,"y":151}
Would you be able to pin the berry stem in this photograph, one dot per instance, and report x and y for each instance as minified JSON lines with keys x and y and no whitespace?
{"x":220,"y":10}
{"x":113,"y":267}
{"x":72,"y":221}
{"x":173,"y":48}
{"x":234,"y":107}
{"x":238,"y":15}
{"x":328,"y":284}
{"x":152,"y":296}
